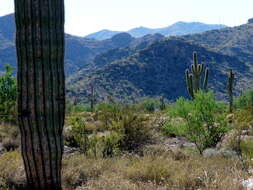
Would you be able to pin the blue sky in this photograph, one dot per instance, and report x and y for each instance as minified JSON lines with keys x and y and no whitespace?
{"x":87,"y":16}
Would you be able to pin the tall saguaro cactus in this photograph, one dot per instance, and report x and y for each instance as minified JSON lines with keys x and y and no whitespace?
{"x":41,"y":89}
{"x":193,"y":80}
{"x":92,"y":97}
{"x":230,"y":84}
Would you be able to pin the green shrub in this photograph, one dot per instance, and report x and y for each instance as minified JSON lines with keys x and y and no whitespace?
{"x":78,"y":134}
{"x":133,"y":128}
{"x":245,"y":100}
{"x":150,"y":104}
{"x":204,"y":120}
{"x":8,"y":95}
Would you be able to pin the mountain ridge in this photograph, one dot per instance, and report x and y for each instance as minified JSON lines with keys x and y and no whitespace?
{"x":178,"y":28}
{"x":158,"y":69}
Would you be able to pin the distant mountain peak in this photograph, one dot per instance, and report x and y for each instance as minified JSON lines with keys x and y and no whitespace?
{"x":177,"y":29}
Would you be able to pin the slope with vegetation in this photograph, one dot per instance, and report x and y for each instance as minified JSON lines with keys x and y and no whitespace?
{"x":155,"y":71}
{"x":127,"y":146}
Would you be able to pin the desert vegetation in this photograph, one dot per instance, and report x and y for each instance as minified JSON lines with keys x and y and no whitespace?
{"x":136,"y":127}
{"x":149,"y":145}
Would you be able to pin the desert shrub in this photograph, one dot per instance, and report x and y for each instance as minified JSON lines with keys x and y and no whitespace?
{"x":77,"y":170}
{"x":9,"y":131}
{"x":78,"y":134}
{"x":92,"y":143}
{"x":81,"y":108}
{"x":247,"y":148}
{"x":133,"y":129}
{"x":107,"y":113}
{"x":12,"y":175}
{"x":150,"y":104}
{"x":8,"y":95}
{"x":110,"y":144}
{"x":204,"y":120}
{"x":245,"y":100}
{"x":175,"y":127}
{"x":124,"y":129}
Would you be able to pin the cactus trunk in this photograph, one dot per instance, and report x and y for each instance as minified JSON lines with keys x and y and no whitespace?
{"x":92,"y":98}
{"x":197,"y":70}
{"x":41,"y":89}
{"x":230,"y":84}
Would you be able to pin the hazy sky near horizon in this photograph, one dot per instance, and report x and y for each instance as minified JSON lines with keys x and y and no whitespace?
{"x":88,"y":16}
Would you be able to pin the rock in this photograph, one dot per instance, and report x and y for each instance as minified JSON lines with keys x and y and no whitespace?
{"x":103,"y":134}
{"x":228,"y":153}
{"x":178,"y":143}
{"x":212,"y":152}
{"x":68,"y":151}
{"x":248,"y":184}
{"x":227,"y":139}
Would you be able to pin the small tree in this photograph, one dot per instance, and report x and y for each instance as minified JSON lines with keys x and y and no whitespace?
{"x":8,"y":95}
{"x":204,"y":119}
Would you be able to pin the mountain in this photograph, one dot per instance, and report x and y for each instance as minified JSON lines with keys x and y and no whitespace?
{"x":183,"y":28}
{"x":179,"y":28}
{"x":129,"y":68}
{"x":79,"y":51}
{"x":236,"y":41}
{"x":158,"y":69}
{"x":102,"y":35}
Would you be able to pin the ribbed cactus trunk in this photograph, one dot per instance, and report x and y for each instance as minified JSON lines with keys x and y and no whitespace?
{"x":92,"y":98}
{"x":41,"y":89}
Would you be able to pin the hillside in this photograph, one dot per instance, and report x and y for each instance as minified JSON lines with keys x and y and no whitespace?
{"x":155,"y":71}
{"x":236,"y":41}
{"x":158,"y":68}
{"x":177,"y":29}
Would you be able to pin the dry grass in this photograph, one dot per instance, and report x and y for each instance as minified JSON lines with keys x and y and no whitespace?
{"x":12,"y":175}
{"x":155,"y":171}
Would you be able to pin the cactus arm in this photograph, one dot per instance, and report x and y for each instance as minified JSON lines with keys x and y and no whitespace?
{"x":206,"y":79}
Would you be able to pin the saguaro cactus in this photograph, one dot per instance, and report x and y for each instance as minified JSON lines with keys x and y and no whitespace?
{"x":230,"y":84}
{"x":193,"y":80}
{"x":92,"y":98}
{"x":41,"y":89}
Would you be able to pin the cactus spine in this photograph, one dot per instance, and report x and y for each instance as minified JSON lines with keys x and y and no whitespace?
{"x":230,"y":84}
{"x":193,"y":80}
{"x":41,"y":89}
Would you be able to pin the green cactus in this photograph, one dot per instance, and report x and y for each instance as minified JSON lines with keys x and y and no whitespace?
{"x":162,"y":103}
{"x":92,"y":98}
{"x":230,"y":84}
{"x":41,"y":90}
{"x":193,"y":80}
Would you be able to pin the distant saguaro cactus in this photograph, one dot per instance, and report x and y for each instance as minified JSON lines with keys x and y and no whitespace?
{"x":193,"y":80}
{"x":92,"y":97}
{"x":162,"y":103}
{"x":230,"y":84}
{"x":41,"y":89}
